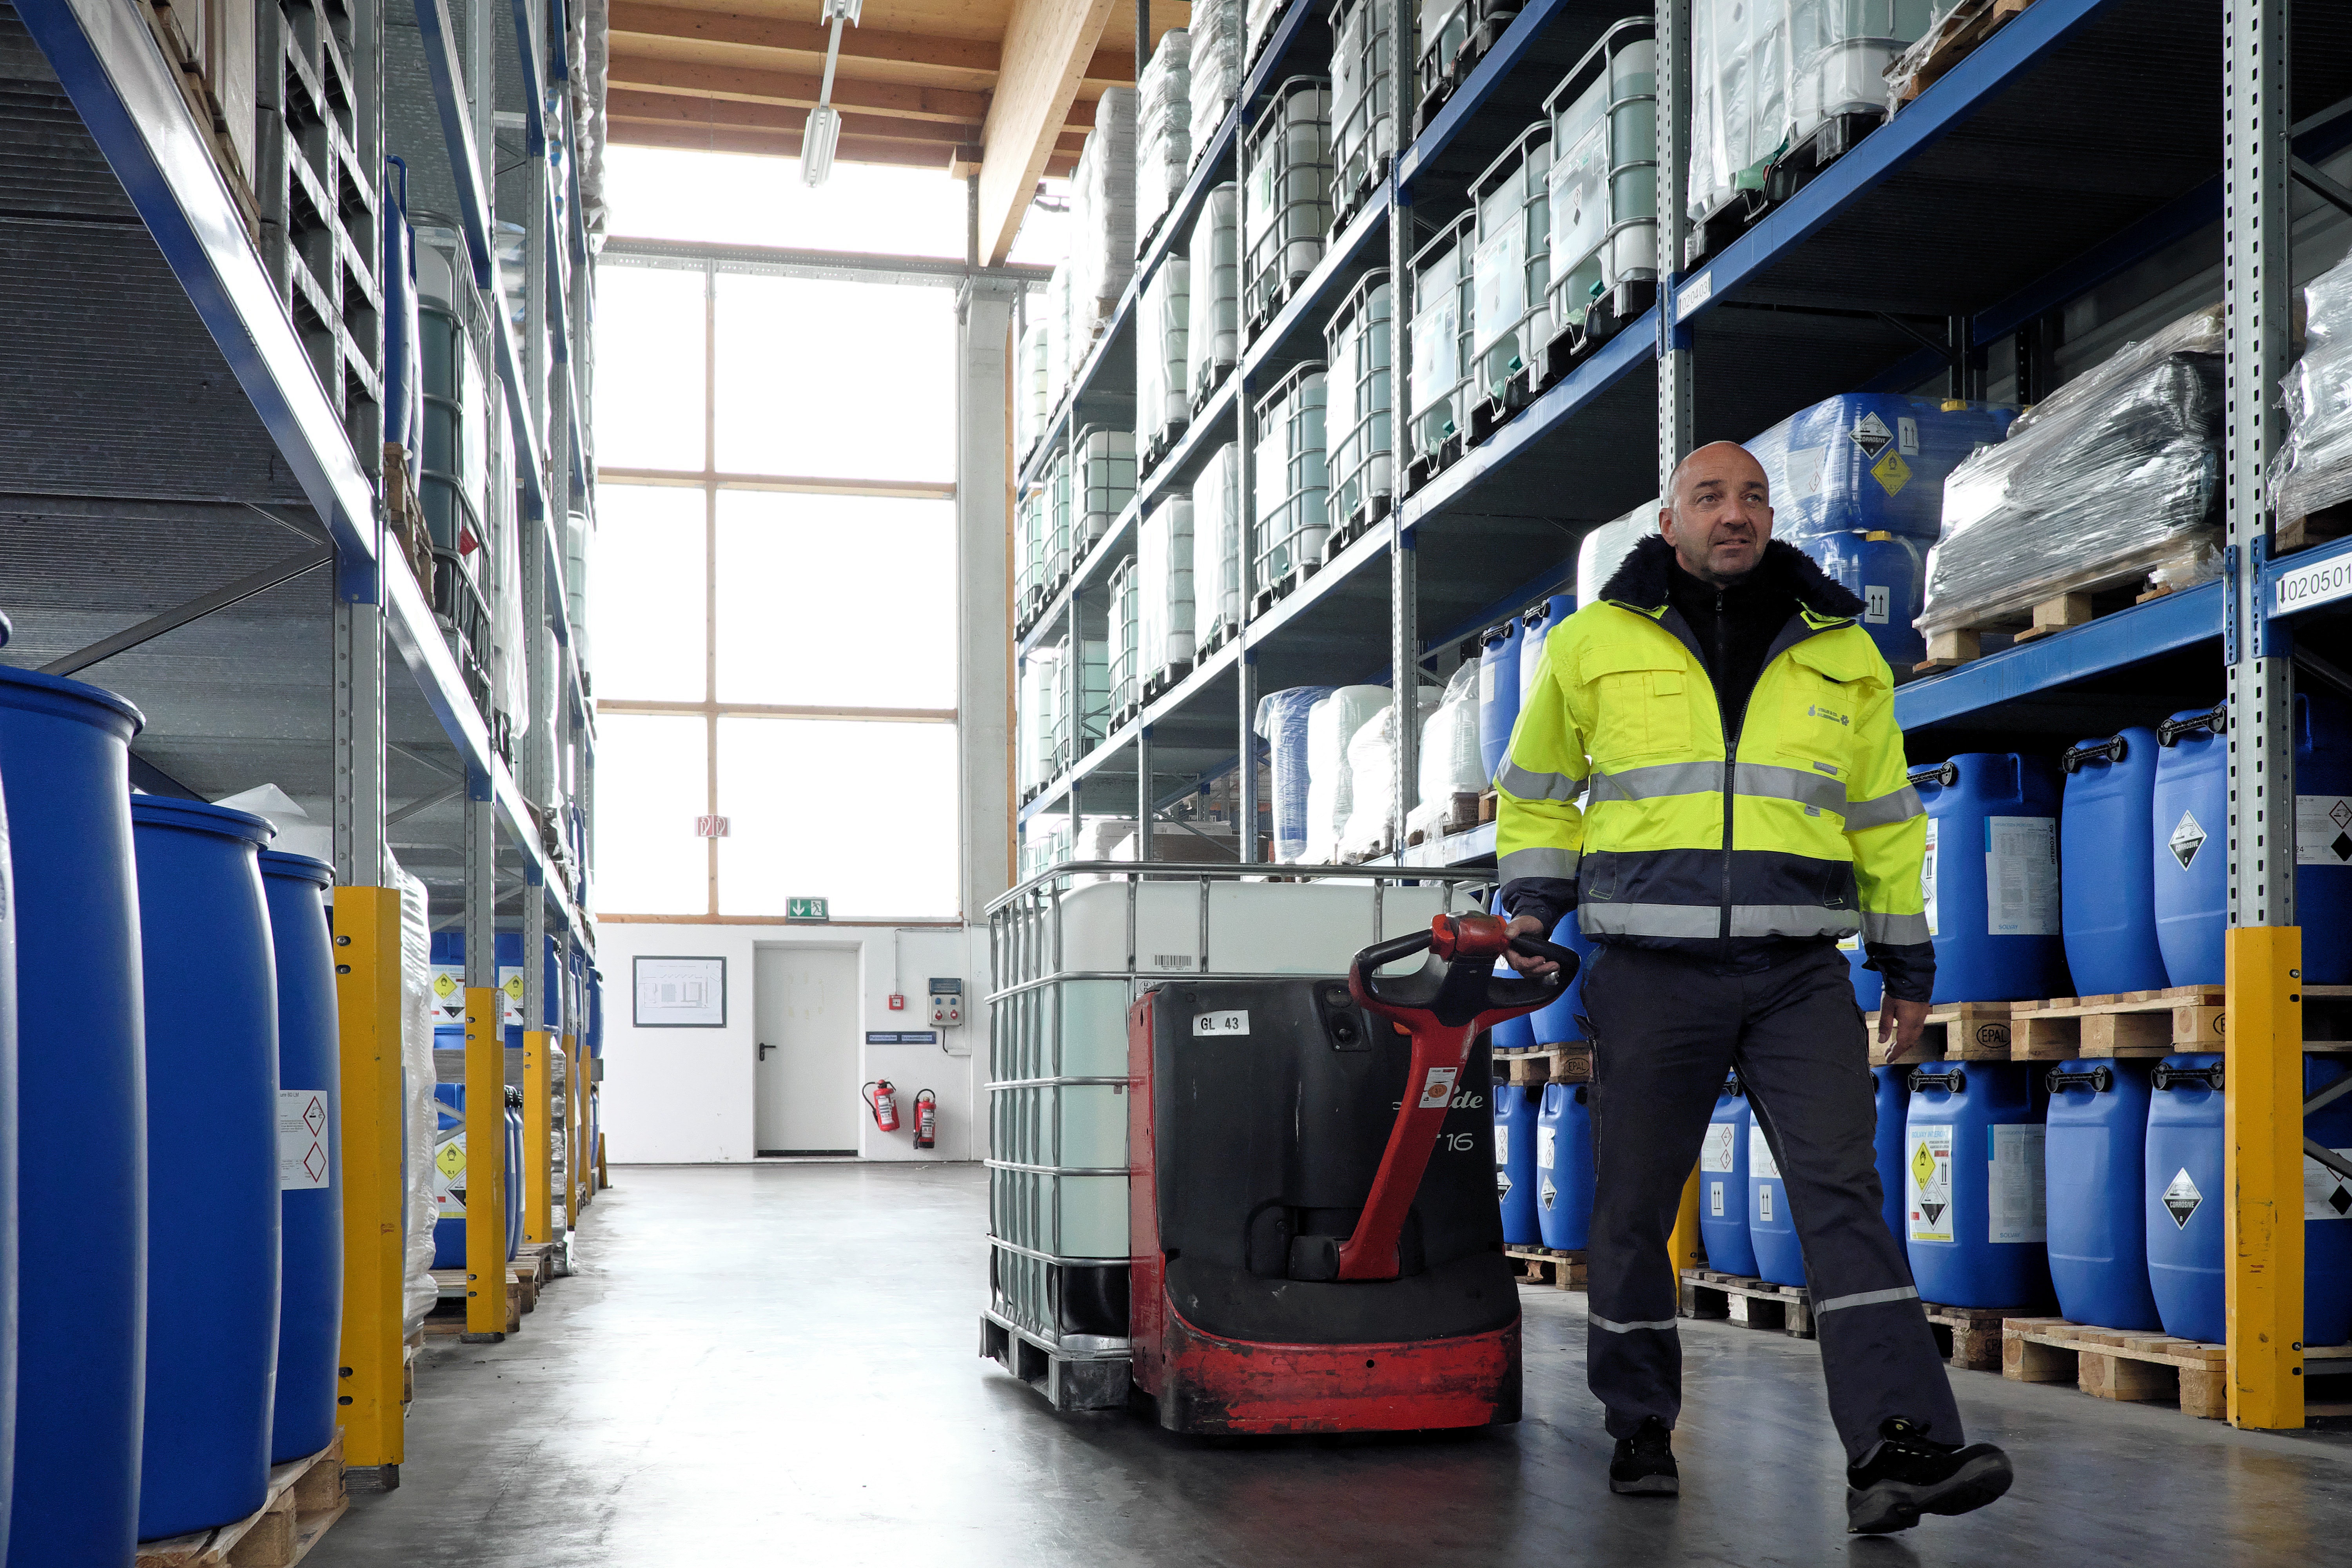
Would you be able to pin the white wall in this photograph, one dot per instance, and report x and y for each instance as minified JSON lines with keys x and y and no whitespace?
{"x":685,"y":1096}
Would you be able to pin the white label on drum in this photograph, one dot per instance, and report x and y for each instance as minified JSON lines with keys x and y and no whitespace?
{"x":2326,"y":1194}
{"x":2323,"y":830}
{"x":1233,"y":1023}
{"x":2014,"y":1199}
{"x":1804,"y":472}
{"x":2021,"y":875}
{"x":1547,"y":1143}
{"x":1764,"y":1204}
{"x":1716,"y":1153}
{"x":1927,"y":1184}
{"x":1502,"y":1142}
{"x":1759,"y":1155}
{"x":1927,"y":880}
{"x":1715,"y":1200}
{"x":1877,"y":604}
{"x":302,"y":1117}
{"x":449,"y":994}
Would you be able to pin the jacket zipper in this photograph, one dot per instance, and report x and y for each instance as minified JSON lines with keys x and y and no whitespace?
{"x":1730,"y":750}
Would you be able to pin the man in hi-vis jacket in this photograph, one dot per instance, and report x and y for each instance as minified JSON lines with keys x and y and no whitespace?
{"x":1730,"y":728}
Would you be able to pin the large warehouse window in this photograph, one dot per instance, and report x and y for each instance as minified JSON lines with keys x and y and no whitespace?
{"x":775,"y":593}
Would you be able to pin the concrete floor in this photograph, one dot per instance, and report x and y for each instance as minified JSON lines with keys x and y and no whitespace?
{"x":777,"y":1363}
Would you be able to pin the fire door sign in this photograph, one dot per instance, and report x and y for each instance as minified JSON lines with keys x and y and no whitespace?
{"x":302,"y":1163}
{"x":1928,"y":1185}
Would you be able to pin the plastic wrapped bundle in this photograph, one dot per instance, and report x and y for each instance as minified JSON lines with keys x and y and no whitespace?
{"x":1261,"y":15}
{"x":2116,"y":473}
{"x":1215,"y":66}
{"x":1213,"y":340}
{"x":1870,"y":460}
{"x":1331,"y":723}
{"x":1163,"y":612}
{"x":1102,"y":202}
{"x":1058,"y":356}
{"x":1603,"y":551}
{"x":1032,"y":741}
{"x":2314,"y":469}
{"x":1282,"y":719}
{"x":1765,"y":74}
{"x":1292,"y":480}
{"x":419,"y":1290}
{"x":1363,"y":100}
{"x":1441,"y":340}
{"x":1356,"y":425}
{"x":1162,"y":323}
{"x":1217,"y":546}
{"x":1286,"y":208}
{"x":1511,"y":269}
{"x":1163,"y":131}
{"x":1031,"y":387}
{"x":1106,"y":483}
{"x":1451,"y":764}
{"x":1371,"y":825}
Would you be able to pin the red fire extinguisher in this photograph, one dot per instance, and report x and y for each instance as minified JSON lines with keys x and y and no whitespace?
{"x":884,"y":1103}
{"x":927,"y":1118}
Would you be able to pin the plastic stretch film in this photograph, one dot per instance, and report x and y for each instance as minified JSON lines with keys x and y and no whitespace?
{"x":1603,"y":551}
{"x":2116,"y":474}
{"x":1331,"y":724}
{"x":1163,"y":131}
{"x":1102,"y":209}
{"x":1214,"y":66}
{"x":1451,"y":763}
{"x":2314,"y":469}
{"x":1213,"y":340}
{"x":1282,"y":720}
{"x":418,"y":1290}
{"x":1163,"y":607}
{"x":1217,"y":546}
{"x":1372,"y":820}
{"x":1163,"y":324}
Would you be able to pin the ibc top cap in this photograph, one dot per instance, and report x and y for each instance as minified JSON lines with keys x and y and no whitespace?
{"x":63,"y":699}
{"x":166,"y":810}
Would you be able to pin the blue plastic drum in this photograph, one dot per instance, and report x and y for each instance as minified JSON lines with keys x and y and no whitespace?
{"x":2099,"y":1213}
{"x":1535,"y":625}
{"x":1991,"y":878}
{"x":1512,"y":1033}
{"x":309,"y":1159}
{"x":1564,"y":1166}
{"x":1561,"y":1023}
{"x":1771,"y":1230}
{"x":1869,"y":986}
{"x":1894,"y":1097}
{"x":1723,"y":1184}
{"x":213,"y":1198}
{"x":2106,"y":879}
{"x":1973,"y":1171}
{"x":81,"y":1145}
{"x":449,"y":1230}
{"x":1888,"y":572}
{"x":1498,"y":693}
{"x":1514,"y":1162}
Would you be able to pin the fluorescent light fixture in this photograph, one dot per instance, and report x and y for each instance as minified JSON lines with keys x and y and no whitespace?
{"x":822,"y":134}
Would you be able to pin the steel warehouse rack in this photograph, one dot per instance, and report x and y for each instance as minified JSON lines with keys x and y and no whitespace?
{"x":207,"y":511}
{"x":2093,"y":170}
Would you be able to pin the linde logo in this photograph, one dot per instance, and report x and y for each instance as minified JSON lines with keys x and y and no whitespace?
{"x":2308,"y":585}
{"x":1818,"y":711}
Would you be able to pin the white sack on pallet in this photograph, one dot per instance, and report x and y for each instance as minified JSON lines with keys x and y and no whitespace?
{"x":1213,"y":336}
{"x":1371,"y":824}
{"x":419,"y":1290}
{"x":2314,"y":469}
{"x":1282,"y":719}
{"x":1603,"y":551}
{"x":1217,"y":545}
{"x":1102,"y":206}
{"x":1163,"y":131}
{"x":1164,"y":561}
{"x":1331,"y":723}
{"x":2117,"y":472}
{"x":1214,"y":68}
{"x":1450,"y":761}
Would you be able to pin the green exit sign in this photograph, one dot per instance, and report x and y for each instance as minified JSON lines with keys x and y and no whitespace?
{"x":805,"y":910}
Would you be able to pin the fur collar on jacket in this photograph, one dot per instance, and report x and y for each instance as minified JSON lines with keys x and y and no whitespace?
{"x":1641,"y":578}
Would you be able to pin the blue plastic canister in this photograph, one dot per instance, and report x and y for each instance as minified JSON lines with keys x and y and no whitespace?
{"x":1870,"y":460}
{"x":1535,"y":625}
{"x":1498,"y":691}
{"x":1512,"y":1033}
{"x":1991,"y":878}
{"x":80,"y":1157}
{"x":2107,"y":881}
{"x":1771,"y":1231}
{"x":213,"y":1198}
{"x":2190,"y":826}
{"x":1973,"y":1174}
{"x":309,"y":1159}
{"x":1723,"y":1184}
{"x":1514,"y":1162}
{"x":1888,"y":572}
{"x":1564,"y":1165}
{"x":1894,"y":1096}
{"x":1869,"y":986}
{"x":1561,"y":1023}
{"x":2186,"y":1198}
{"x":2098,"y":1212}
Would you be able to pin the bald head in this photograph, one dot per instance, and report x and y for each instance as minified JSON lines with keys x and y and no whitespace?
{"x":1717,"y":513}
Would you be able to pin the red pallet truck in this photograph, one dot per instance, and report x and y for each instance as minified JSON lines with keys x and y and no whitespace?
{"x":1291,"y":1272}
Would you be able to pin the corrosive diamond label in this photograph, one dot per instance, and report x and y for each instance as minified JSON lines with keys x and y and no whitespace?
{"x":2181,"y":1199}
{"x":2188,"y":837}
{"x":1502,"y":1182}
{"x":2321,"y":835}
{"x":2326,"y":1193}
{"x":1870,"y":432}
{"x":1548,"y":1195}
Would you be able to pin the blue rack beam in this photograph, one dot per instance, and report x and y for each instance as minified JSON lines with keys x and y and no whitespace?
{"x":2111,"y":643}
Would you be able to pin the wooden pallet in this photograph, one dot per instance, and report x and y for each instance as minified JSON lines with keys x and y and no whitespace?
{"x":305,"y":1497}
{"x":2178,"y":1019}
{"x":1749,"y":1302}
{"x":1956,"y":1031}
{"x":1542,"y":1266}
{"x":2110,"y":1363}
{"x":2076,"y":605}
{"x":1970,"y":1339}
{"x":1545,"y":1064}
{"x":1951,"y":41}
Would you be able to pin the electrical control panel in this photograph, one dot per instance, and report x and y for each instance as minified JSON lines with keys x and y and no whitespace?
{"x":947,"y":1004}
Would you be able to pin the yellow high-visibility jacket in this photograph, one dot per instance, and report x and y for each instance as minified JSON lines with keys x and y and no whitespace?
{"x":1811,"y":831}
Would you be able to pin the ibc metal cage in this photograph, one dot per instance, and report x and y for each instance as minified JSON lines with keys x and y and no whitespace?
{"x":1287,"y":197}
{"x":1604,"y":184}
{"x":1439,"y":385}
{"x":1362,"y":464}
{"x":1091,"y":671}
{"x":1161,"y":411}
{"x":1364,"y":110}
{"x":1105,"y":482}
{"x":1512,"y":268}
{"x":1029,"y":581}
{"x":1292,"y":480}
{"x":1126,"y":644}
{"x":1212,"y":341}
{"x":1058,"y":538}
{"x":1217,"y":549}
{"x":1070,"y":950}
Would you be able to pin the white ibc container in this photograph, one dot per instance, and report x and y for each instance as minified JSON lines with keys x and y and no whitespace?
{"x":1213,"y":341}
{"x":1163,"y":553}
{"x":1603,"y":551}
{"x":1125,"y":639}
{"x":1292,"y":480}
{"x":1441,"y":340}
{"x":1106,"y":483}
{"x":1287,"y":200}
{"x":1215,"y":67}
{"x":1217,"y":546}
{"x":1162,"y":323}
{"x":1356,"y":423}
{"x":1029,"y":579}
{"x":1058,"y":502}
{"x":1029,"y":405}
{"x":1512,"y":266}
{"x":1363,"y":100}
{"x":1034,"y":736}
{"x":1444,"y":32}
{"x":1253,"y":928}
{"x":1605,"y":171}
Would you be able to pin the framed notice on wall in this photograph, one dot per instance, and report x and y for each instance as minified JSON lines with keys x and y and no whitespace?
{"x":680,"y":994}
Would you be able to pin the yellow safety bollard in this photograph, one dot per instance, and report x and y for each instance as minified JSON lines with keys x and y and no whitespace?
{"x":538,"y":1136}
{"x":2261,"y":1089}
{"x":367,"y":1002}
{"x":486,"y":1163}
{"x":1685,"y":1251}
{"x":572,"y":1098}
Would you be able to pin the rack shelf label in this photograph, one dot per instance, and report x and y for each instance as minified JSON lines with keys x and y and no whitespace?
{"x":2304,"y":587}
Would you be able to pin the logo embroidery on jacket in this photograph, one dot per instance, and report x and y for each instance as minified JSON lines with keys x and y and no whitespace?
{"x":1818,"y":711}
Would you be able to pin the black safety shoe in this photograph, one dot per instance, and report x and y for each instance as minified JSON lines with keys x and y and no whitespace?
{"x":1908,"y":1475}
{"x":1645,"y":1463}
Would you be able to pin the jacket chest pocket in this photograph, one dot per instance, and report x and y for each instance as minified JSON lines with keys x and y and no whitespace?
{"x":1817,"y":718}
{"x":1640,"y":704}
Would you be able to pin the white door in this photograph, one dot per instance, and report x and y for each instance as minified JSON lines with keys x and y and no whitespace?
{"x":805,"y":1005}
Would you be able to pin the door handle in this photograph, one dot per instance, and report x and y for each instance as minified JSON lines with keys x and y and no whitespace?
{"x":764,"y":1049}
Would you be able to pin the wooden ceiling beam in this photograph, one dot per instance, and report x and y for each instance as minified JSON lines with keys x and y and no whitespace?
{"x":1047,"y":47}
{"x":944,"y":106}
{"x":627,"y":104}
{"x":767,"y":144}
{"x":773,"y":35}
